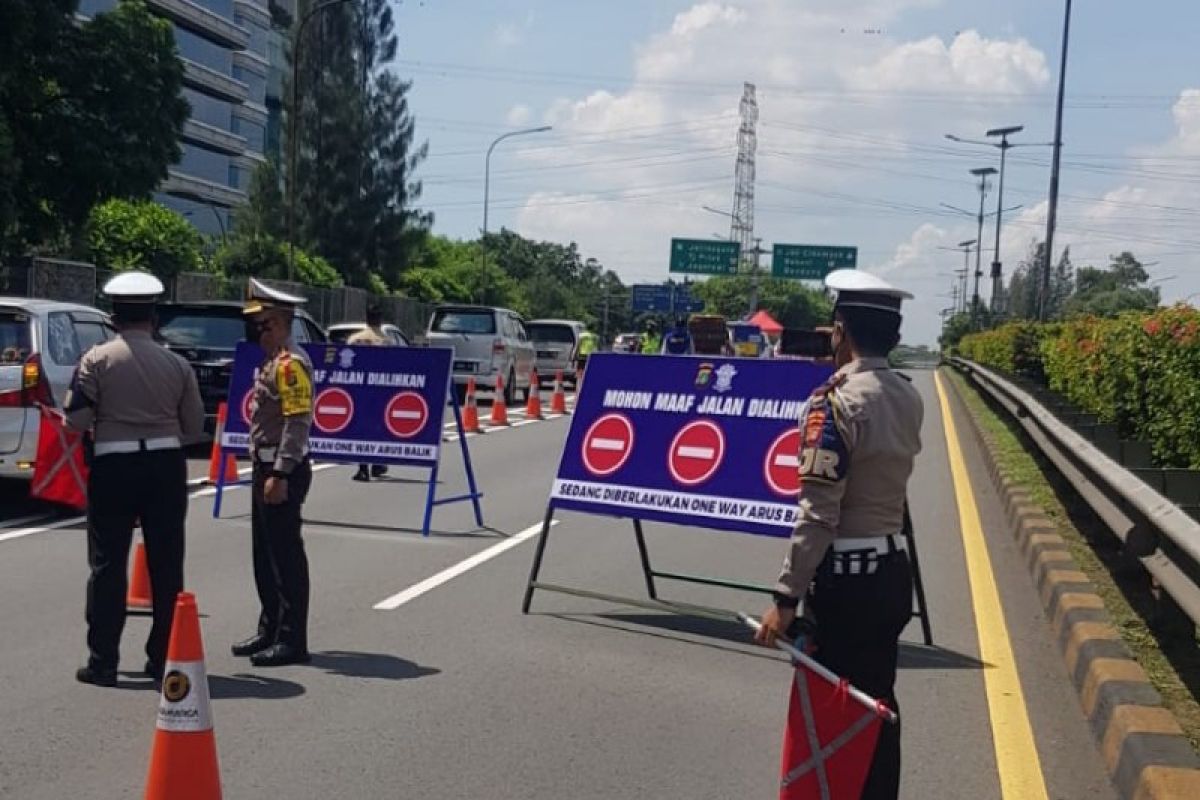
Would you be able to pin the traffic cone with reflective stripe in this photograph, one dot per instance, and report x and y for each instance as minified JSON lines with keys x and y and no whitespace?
{"x":558,"y":400}
{"x":138,"y":598}
{"x":183,"y":759}
{"x":499,"y":408}
{"x":470,"y":414}
{"x":214,"y":459}
{"x":533,"y":397}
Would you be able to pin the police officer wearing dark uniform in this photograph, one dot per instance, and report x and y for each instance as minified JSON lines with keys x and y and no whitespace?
{"x":281,"y":415}
{"x":860,"y":433}
{"x":140,"y":402}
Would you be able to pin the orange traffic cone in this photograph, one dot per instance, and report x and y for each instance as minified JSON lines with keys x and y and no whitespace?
{"x":183,"y":760}
{"x":138,"y":597}
{"x":470,"y":414}
{"x":533,"y":397}
{"x":558,"y":400}
{"x":214,"y":459}
{"x":499,"y":408}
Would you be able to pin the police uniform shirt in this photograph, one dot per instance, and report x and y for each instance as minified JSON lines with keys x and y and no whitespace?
{"x":132,"y":388}
{"x":859,"y":436}
{"x":368,"y":336}
{"x":283,"y":405}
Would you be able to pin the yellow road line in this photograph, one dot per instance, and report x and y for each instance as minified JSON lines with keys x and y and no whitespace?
{"x":1017,"y":760}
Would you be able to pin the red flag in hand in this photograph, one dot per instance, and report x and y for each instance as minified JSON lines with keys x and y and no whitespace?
{"x":829,"y":741}
{"x":60,"y":474}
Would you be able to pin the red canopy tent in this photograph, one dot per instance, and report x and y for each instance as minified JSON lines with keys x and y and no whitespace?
{"x":766,"y":323}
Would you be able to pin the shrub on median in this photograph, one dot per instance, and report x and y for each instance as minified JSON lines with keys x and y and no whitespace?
{"x":1138,"y":371}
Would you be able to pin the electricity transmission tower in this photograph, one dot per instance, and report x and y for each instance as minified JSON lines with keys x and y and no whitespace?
{"x":742,"y":230}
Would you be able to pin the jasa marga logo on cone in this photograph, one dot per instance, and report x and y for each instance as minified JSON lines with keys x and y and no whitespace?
{"x":185,"y":705}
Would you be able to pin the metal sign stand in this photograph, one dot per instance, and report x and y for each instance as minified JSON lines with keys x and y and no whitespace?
{"x":431,"y":499}
{"x":649,"y":574}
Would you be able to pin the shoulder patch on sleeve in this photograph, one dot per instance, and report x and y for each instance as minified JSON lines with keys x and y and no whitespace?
{"x":294,"y":386}
{"x":824,"y":457}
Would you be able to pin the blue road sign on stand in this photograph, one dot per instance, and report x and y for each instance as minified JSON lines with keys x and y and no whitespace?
{"x":696,"y":441}
{"x":371,"y":405}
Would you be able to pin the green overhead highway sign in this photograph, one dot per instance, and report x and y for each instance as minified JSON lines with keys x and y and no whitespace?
{"x":704,"y":256}
{"x":810,"y":262}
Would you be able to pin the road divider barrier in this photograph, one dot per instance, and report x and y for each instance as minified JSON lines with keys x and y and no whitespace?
{"x":499,"y":407}
{"x":533,"y":398}
{"x":558,"y":400}
{"x":701,"y":442}
{"x":371,"y":405}
{"x":183,"y":758}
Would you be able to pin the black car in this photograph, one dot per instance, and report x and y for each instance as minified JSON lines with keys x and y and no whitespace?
{"x":206,"y":333}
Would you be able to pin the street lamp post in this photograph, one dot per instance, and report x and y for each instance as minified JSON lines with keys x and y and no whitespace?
{"x":983,"y":173}
{"x":1052,"y":210}
{"x":487,"y":186}
{"x":297,"y":44}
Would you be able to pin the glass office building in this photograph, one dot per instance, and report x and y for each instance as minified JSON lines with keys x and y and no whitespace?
{"x":224,"y":48}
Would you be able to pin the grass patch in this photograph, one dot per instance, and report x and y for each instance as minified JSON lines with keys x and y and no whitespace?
{"x":1172,"y":665}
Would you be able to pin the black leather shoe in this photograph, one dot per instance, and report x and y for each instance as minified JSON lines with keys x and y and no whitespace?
{"x":361,"y":475}
{"x":378,"y":470}
{"x":249,"y":647}
{"x":153,"y":670}
{"x":279,"y":655}
{"x":96,"y":677}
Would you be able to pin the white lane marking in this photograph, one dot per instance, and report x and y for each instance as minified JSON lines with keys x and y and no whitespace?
{"x":706,"y":453}
{"x":521,"y":422}
{"x":785,"y":460}
{"x":17,"y":522}
{"x":450,"y":573}
{"x":617,"y":445}
{"x":64,"y":523}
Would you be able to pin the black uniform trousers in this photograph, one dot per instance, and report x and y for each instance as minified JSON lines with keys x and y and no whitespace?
{"x":123,"y":488}
{"x":280,"y":564}
{"x":859,"y":619}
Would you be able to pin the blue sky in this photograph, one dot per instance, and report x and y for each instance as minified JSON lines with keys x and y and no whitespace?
{"x":854,"y":97}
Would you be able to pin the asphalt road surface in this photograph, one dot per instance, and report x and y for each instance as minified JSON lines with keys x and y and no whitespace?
{"x":445,"y":690}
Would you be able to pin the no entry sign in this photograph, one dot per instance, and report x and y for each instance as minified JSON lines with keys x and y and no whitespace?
{"x":691,"y":440}
{"x":406,"y":415}
{"x":607,"y":445}
{"x":333,"y":410}
{"x":696,"y":452}
{"x":781,"y":467}
{"x":373,"y":405}
{"x":247,"y":406}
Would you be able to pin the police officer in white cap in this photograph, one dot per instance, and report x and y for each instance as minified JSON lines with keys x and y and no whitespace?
{"x":139,"y":401}
{"x":860,"y":433}
{"x":280,"y":419}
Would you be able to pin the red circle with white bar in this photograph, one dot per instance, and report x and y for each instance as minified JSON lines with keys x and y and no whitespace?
{"x":607,"y":445}
{"x":248,"y":404}
{"x":333,"y":410}
{"x":782,"y":465}
{"x":406,"y":414}
{"x":696,"y":452}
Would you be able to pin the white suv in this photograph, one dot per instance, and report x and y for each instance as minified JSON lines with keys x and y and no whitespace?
{"x":40,"y":345}
{"x":487,"y":342}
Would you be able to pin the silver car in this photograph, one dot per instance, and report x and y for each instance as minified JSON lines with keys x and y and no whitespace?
{"x":557,"y":343}
{"x":487,"y":343}
{"x":342,"y":331}
{"x":40,"y":345}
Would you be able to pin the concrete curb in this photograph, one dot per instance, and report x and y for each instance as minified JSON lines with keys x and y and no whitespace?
{"x":1145,"y":751}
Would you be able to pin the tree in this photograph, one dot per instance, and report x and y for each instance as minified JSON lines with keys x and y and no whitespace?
{"x":792,"y":303}
{"x":88,"y":111}
{"x":264,"y":213}
{"x":954,"y":330}
{"x":265,"y":257}
{"x":123,"y":234}
{"x":356,"y":160}
{"x":1108,"y":292}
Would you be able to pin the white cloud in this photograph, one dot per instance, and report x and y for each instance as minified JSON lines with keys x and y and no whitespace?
{"x":512,"y":33}
{"x":518,"y":115}
{"x":969,"y":62}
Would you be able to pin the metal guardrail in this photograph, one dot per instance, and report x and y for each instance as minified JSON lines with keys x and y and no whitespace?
{"x":1153,"y":529}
